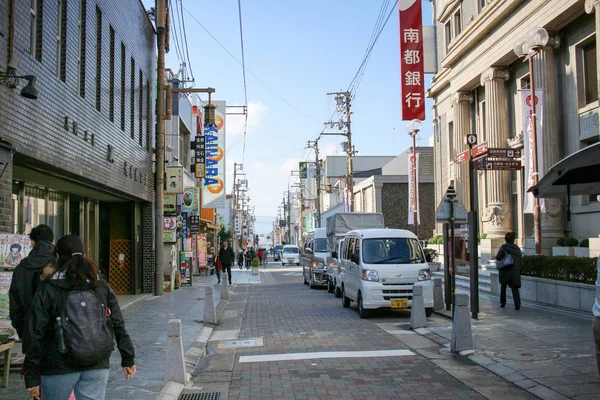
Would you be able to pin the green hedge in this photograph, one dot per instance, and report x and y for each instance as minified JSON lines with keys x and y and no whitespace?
{"x":561,"y":268}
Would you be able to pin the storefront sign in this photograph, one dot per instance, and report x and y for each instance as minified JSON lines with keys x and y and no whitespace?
{"x":201,"y":250}
{"x":73,"y":126}
{"x":169,"y":230}
{"x":13,"y":248}
{"x":134,"y":173}
{"x":213,"y":186}
{"x":191,"y":199}
{"x":5,"y":280}
{"x":169,"y":236}
{"x":411,"y":60}
{"x":588,"y":124}
{"x":194,"y":224}
{"x":302,"y":167}
{"x":175,"y":180}
{"x":170,"y":203}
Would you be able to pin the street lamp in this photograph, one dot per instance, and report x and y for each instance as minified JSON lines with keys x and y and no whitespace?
{"x":413,"y":128}
{"x":527,"y":47}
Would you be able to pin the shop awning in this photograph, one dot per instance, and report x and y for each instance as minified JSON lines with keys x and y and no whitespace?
{"x":577,"y":174}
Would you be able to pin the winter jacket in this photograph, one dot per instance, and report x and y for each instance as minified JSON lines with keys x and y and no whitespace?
{"x":227,"y":256}
{"x":43,"y":357}
{"x":25,"y":281}
{"x":510,"y":275}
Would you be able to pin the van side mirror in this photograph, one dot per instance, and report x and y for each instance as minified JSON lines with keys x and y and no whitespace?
{"x":354,"y":258}
{"x":334,"y":254}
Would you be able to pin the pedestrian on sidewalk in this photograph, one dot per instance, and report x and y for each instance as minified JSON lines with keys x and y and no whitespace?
{"x":511,"y":275}
{"x":264,"y":257}
{"x":80,"y":360}
{"x":247,"y":258}
{"x":596,"y":311}
{"x":227,"y":257}
{"x":240,"y":258}
{"x":216,"y":262}
{"x":259,"y":254}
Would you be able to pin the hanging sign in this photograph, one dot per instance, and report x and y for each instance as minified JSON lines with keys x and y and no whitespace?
{"x":411,"y":60}
{"x":413,"y":190}
{"x":527,"y":111}
{"x":175,"y":180}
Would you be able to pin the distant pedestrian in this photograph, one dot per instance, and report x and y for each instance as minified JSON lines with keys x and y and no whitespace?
{"x":511,"y":275}
{"x":86,"y":306}
{"x":240,"y":258}
{"x":596,"y":311}
{"x":247,"y":258}
{"x":259,"y":255}
{"x":227,"y":257}
{"x":216,"y":263}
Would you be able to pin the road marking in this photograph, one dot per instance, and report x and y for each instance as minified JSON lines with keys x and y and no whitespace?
{"x":293,"y":274}
{"x":326,"y":354}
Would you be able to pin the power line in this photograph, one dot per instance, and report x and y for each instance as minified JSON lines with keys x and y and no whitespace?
{"x":177,"y":48}
{"x":244,"y":75}
{"x":186,"y":41}
{"x":250,"y":72}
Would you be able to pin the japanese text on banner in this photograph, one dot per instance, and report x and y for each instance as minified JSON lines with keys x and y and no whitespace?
{"x":411,"y":60}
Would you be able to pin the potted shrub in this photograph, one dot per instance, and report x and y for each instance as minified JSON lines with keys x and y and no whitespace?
{"x":584,"y":249}
{"x":564,"y":247}
{"x":255,"y":264}
{"x":432,"y":257}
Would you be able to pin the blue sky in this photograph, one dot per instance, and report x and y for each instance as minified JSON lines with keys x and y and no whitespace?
{"x":301,"y":50}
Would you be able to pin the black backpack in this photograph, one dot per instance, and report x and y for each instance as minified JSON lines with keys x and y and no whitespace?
{"x":87,"y":336}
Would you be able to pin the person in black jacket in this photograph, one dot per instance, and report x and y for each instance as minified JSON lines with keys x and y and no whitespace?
{"x":60,"y":375}
{"x":227,"y":257}
{"x":510,"y":276}
{"x":26,"y":279}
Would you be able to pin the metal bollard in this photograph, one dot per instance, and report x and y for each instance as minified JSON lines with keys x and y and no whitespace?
{"x":175,"y":365}
{"x":224,"y":289}
{"x":462,"y":338}
{"x":438,"y":294}
{"x":417,"y":311}
{"x":210,"y":316}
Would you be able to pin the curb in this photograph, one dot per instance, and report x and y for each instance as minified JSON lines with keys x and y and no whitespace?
{"x":144,"y":297}
{"x":170,"y":391}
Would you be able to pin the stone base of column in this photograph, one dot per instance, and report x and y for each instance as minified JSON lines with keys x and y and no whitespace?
{"x":489,"y":249}
{"x":547,"y":243}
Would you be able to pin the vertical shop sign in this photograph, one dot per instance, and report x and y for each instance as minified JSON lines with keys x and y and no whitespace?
{"x":411,"y":60}
{"x":191,"y":199}
{"x":213,"y":185}
{"x":527,"y":111}
{"x":413,"y":190}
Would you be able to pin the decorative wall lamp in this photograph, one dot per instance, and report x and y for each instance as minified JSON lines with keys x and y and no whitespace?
{"x":11,"y":80}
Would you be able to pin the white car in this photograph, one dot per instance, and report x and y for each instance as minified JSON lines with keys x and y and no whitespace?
{"x":290,"y":254}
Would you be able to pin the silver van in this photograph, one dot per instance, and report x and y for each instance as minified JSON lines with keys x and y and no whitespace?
{"x":316,"y":258}
{"x":380,"y":268}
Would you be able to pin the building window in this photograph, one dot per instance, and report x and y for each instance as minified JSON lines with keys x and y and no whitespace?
{"x":39,"y":206}
{"x":482,"y":4}
{"x":61,"y":40}
{"x":451,"y":139}
{"x":141,"y":108}
{"x":35,"y":15}
{"x":457,"y":23}
{"x":525,"y":83}
{"x":132,"y":98}
{"x":448,"y":29}
{"x":590,"y":74}
{"x":111,"y":77}
{"x":98,"y":58}
{"x":148,"y":118}
{"x":82,"y":39}
{"x":123,"y":81}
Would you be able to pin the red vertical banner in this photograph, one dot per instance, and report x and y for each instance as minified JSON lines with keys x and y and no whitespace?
{"x":411,"y":60}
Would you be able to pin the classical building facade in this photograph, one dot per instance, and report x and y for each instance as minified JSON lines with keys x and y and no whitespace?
{"x":478,"y":90}
{"x":80,"y":157}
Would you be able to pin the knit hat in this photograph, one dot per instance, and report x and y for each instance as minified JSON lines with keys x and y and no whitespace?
{"x":69,"y":245}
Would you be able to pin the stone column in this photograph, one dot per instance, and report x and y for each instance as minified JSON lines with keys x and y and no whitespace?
{"x":462,"y":127}
{"x":497,"y":213}
{"x":545,"y":80}
{"x":590,"y":7}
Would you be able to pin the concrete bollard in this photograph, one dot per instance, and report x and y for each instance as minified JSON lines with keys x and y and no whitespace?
{"x":417,"y":311}
{"x":175,"y":366}
{"x":461,"y":325}
{"x":438,"y":294}
{"x":210,"y":316}
{"x":224,"y":290}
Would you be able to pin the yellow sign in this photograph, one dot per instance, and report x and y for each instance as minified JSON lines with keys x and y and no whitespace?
{"x":200,"y":170}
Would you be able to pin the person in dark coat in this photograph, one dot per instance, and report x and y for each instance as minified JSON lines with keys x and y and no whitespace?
{"x":227,"y":257}
{"x":60,"y":378}
{"x":26,"y":279}
{"x":511,"y":275}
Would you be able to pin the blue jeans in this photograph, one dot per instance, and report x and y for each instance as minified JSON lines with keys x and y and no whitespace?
{"x":88,"y":385}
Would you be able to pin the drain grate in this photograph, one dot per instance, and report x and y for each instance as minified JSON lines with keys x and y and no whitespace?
{"x":196,"y":395}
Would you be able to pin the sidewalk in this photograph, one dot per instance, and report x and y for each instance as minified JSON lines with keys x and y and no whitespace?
{"x":550,"y":354}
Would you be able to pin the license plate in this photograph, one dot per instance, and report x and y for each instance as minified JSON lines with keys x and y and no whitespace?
{"x":399,"y":303}
{"x":290,"y":260}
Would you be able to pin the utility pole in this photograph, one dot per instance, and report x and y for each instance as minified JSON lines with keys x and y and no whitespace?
{"x":160,"y":9}
{"x":342,"y":100}
{"x":315,"y":144}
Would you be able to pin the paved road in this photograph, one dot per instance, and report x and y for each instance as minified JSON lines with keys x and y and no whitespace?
{"x":290,"y":318}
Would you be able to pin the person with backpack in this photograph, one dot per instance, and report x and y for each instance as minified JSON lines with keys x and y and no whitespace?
{"x":75,"y":320}
{"x":26,"y":279}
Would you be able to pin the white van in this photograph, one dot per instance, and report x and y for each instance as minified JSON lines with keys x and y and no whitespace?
{"x":316,"y":259}
{"x":290,"y":254}
{"x":335,"y":280}
{"x":380,"y":268}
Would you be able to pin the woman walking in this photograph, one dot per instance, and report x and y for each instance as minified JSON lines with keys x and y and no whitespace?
{"x":75,"y":319}
{"x":510,"y":275}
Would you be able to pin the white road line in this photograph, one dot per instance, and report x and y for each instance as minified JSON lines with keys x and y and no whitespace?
{"x":326,"y":354}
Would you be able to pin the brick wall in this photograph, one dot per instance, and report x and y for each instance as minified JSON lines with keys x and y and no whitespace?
{"x":394,"y":204}
{"x":148,"y":218}
{"x":6,"y":206}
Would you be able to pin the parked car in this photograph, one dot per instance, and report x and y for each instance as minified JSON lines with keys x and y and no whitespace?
{"x":277,"y":252}
{"x":290,"y":254}
{"x":334,"y":281}
{"x":380,"y":268}
{"x":316,"y":259}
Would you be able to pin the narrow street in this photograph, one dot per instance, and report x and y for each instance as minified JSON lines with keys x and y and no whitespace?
{"x":295,"y":331}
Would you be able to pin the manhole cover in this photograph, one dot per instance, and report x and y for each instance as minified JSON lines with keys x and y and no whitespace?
{"x":526,"y":355}
{"x":196,"y":395}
